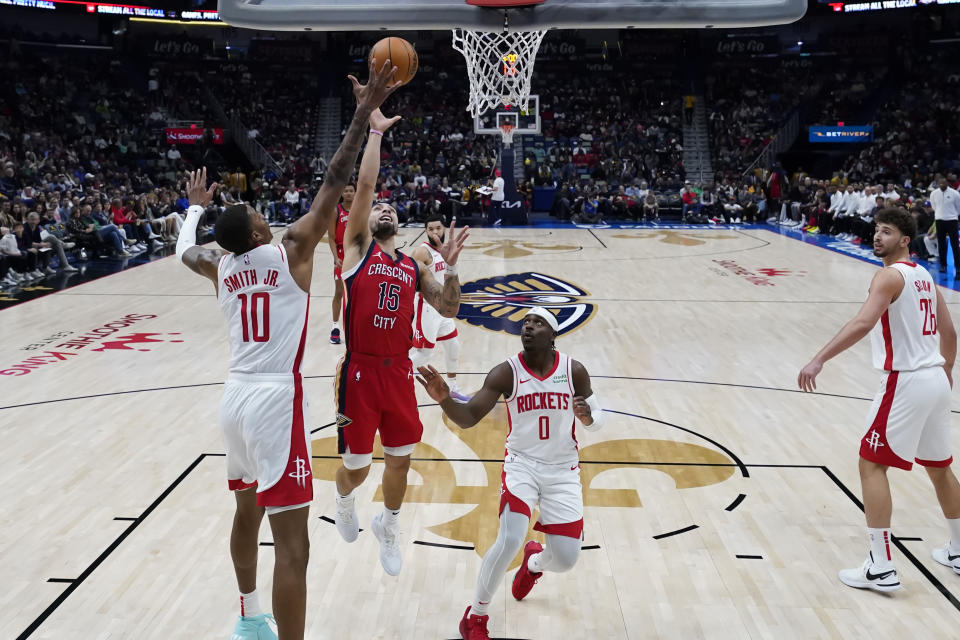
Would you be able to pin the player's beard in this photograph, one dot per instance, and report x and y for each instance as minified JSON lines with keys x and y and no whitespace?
{"x":437,"y":242}
{"x":384,"y":231}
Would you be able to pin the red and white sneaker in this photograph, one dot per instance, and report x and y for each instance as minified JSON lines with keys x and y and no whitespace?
{"x":523,"y":580}
{"x":474,"y":627}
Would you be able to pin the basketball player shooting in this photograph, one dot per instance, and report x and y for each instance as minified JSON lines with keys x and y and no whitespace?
{"x":335,"y":237}
{"x":914,"y":345}
{"x":263,"y":290}
{"x":544,"y":390}
{"x":374,"y":386}
{"x":429,"y":326}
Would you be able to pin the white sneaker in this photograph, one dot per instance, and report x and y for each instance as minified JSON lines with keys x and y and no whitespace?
{"x":50,"y":271}
{"x":346,"y":517}
{"x":36,"y":274}
{"x":124,"y":254}
{"x":944,"y":556}
{"x":390,"y":556}
{"x":70,"y":268}
{"x":867,"y":576}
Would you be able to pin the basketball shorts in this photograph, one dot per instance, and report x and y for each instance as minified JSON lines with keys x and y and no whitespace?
{"x":429,"y":327}
{"x":264,"y":423}
{"x":375,"y":393}
{"x":910,"y":420}
{"x":555,"y":487}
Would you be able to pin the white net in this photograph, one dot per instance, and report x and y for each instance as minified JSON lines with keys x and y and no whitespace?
{"x":499,"y":66}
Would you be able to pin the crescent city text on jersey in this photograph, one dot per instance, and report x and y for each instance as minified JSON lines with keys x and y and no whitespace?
{"x":401,"y":272}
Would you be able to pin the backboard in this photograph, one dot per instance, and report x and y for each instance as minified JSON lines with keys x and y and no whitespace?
{"x":525,"y":120}
{"x":399,"y":15}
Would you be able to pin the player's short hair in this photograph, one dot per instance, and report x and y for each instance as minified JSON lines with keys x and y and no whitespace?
{"x":433,"y":217}
{"x":233,"y":229}
{"x":899,"y":218}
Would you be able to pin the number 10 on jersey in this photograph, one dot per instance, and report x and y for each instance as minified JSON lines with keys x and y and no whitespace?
{"x":255,"y":316}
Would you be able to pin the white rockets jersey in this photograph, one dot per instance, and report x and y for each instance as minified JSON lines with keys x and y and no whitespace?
{"x":540,"y":413}
{"x":266,"y":311}
{"x":906,"y":337}
{"x":439,"y":265}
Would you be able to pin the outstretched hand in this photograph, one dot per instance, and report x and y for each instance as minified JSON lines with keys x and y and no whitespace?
{"x":371,"y":95}
{"x":381,"y":122}
{"x":196,"y":188}
{"x":451,"y":249}
{"x":433,"y":382}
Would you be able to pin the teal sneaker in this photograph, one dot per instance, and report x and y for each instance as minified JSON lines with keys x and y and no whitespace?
{"x":255,"y":628}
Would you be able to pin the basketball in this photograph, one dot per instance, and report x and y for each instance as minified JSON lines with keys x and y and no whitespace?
{"x":401,"y":53}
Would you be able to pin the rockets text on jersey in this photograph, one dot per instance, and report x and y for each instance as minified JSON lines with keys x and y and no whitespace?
{"x":540,"y":412}
{"x":439,"y":266}
{"x":265,"y":309}
{"x":906,"y":338}
{"x":379,"y":310}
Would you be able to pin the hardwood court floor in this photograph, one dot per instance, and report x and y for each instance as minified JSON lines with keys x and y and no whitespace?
{"x":720,"y":501}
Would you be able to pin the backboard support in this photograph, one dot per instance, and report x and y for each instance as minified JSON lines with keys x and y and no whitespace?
{"x":400,"y":15}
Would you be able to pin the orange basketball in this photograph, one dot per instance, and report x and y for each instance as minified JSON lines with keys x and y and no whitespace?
{"x":401,"y":53}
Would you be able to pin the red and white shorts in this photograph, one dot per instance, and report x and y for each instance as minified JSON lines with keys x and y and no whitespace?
{"x":375,"y":393}
{"x":429,"y":327}
{"x":264,"y":423}
{"x":910,"y":420}
{"x":556,"y":487}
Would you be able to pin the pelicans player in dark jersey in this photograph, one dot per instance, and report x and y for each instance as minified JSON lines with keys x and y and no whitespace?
{"x":335,"y":237}
{"x":374,"y":384}
{"x":263,"y":292}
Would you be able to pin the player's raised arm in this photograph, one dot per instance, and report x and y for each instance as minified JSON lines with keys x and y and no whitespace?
{"x":585,"y":404}
{"x":356,"y":236}
{"x":446,"y":298}
{"x":302,"y":237}
{"x":884,"y":288}
{"x":198,"y":259}
{"x":499,"y":382}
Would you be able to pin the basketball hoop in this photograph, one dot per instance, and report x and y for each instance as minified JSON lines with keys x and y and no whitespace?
{"x":499,"y":66}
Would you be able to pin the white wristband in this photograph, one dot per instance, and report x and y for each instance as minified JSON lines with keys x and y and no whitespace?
{"x":451,"y":270}
{"x":595,"y":412}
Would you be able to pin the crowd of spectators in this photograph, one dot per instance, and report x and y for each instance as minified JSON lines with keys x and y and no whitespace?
{"x":84,"y":166}
{"x":746,"y":107}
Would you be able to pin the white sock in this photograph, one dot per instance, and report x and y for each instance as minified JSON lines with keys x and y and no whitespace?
{"x":345,"y":500}
{"x":533,"y":564}
{"x":880,"y":543}
{"x":479,"y":608}
{"x":954,"y":525}
{"x":250,"y":604}
{"x":336,"y":325}
{"x":452,"y":383}
{"x":391,"y":518}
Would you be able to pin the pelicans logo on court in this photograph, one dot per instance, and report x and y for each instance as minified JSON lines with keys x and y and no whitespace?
{"x":500,"y":302}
